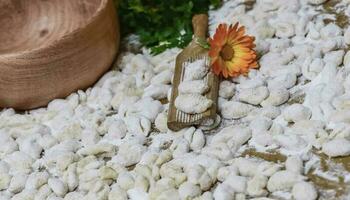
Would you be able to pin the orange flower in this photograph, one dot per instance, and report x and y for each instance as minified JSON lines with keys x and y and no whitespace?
{"x":231,"y":51}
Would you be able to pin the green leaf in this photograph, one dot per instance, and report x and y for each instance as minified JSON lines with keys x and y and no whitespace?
{"x":159,"y":22}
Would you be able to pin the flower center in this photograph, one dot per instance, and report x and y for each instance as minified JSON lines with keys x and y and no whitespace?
{"x":227,"y":52}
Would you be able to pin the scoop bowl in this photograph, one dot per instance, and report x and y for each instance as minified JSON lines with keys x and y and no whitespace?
{"x":51,"y":48}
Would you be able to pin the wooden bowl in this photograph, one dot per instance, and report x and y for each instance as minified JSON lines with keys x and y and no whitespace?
{"x":51,"y":48}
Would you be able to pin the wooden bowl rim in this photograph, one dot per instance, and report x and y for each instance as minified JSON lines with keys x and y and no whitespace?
{"x":99,"y":11}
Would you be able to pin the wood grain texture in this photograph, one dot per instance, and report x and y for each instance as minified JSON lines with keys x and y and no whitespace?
{"x":51,"y":48}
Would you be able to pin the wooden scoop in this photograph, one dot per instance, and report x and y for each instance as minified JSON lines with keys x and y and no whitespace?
{"x":177,"y":119}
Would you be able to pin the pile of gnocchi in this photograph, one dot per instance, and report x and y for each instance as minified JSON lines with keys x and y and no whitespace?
{"x":193,"y":87}
{"x":111,"y":142}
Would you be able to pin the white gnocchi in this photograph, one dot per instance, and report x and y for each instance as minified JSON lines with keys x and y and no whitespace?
{"x":192,"y":103}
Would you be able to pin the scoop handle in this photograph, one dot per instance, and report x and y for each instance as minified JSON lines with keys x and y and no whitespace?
{"x":200,"y":25}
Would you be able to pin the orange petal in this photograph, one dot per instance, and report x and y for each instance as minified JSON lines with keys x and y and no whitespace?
{"x":233,"y":66}
{"x":221,"y":35}
{"x":214,"y":52}
{"x":225,"y":72}
{"x":217,"y":66}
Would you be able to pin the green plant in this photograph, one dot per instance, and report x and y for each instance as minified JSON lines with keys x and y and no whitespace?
{"x":161,"y":24}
